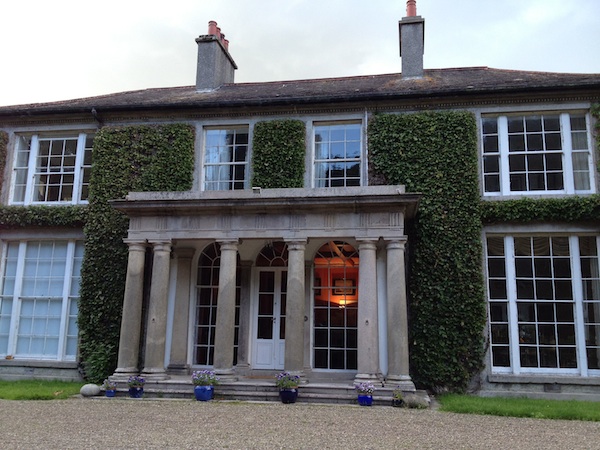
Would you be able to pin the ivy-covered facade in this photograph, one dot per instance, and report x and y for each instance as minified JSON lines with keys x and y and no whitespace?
{"x":436,"y":231}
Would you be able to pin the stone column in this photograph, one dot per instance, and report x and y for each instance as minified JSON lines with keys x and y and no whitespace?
{"x":156,"y":330}
{"x":397,"y":317}
{"x":131,"y":319}
{"x":225,"y":327}
{"x":294,"y":309}
{"x":181,"y":311}
{"x":244,"y":338}
{"x":368,"y":330}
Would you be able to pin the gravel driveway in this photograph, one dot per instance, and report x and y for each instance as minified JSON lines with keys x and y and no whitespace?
{"x":120,"y":423}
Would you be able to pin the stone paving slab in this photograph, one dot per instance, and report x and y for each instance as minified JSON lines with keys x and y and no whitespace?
{"x":123,"y":423}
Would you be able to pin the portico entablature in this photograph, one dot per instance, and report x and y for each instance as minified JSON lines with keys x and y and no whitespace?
{"x":369,"y":212}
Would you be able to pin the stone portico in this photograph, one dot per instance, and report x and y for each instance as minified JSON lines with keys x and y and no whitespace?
{"x":175,"y":227}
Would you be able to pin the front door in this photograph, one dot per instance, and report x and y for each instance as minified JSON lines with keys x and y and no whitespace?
{"x":269,"y":325}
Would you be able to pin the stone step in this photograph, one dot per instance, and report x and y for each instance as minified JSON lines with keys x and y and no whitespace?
{"x":265,"y":390}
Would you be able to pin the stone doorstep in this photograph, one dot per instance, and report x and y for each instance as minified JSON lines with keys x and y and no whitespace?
{"x":265,"y":390}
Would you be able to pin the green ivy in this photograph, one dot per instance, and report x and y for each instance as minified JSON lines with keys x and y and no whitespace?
{"x":43,"y":216}
{"x":435,"y":153}
{"x":3,"y":156}
{"x":527,"y":210}
{"x":133,"y":158}
{"x":279,"y":149}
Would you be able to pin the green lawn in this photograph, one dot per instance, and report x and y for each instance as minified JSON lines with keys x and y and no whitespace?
{"x":37,"y":389}
{"x":521,"y":407}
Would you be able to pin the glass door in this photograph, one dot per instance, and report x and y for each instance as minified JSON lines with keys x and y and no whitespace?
{"x":269,"y":339}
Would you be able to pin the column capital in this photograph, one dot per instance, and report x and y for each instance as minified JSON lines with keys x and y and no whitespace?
{"x":398,"y":243}
{"x":228,"y":244}
{"x":367,"y":243}
{"x":161,"y":245}
{"x":134,"y":245}
{"x":296,"y":244}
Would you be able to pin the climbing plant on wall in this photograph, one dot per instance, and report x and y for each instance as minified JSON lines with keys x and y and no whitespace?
{"x":435,"y":153}
{"x":3,"y":145}
{"x":278,"y":149}
{"x":132,"y":158}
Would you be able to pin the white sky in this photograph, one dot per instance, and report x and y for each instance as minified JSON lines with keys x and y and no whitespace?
{"x":62,"y":49}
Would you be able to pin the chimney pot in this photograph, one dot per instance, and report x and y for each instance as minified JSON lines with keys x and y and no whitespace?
{"x":411,"y":8}
{"x":212,"y":27}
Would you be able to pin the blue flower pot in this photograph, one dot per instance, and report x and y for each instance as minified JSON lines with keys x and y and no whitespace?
{"x":136,"y":392}
{"x":288,"y":395}
{"x":203,"y":393}
{"x":365,"y":400}
{"x":110,"y":392}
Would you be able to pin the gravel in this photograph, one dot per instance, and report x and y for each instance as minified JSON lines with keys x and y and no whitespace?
{"x":122,"y":423}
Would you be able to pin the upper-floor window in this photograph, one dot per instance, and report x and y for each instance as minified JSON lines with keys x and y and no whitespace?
{"x":226,"y":159}
{"x":52,"y":169}
{"x":338,"y":153}
{"x":543,"y":153}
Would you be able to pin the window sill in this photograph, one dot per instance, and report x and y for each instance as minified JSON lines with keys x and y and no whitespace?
{"x":545,"y":379}
{"x":51,"y":364}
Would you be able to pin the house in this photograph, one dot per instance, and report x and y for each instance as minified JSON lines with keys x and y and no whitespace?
{"x":433,"y":228}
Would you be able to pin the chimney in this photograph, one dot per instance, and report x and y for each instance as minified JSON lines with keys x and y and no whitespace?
{"x":215,"y":65}
{"x":412,"y":41}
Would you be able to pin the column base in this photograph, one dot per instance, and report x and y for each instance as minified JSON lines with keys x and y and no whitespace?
{"x":364,"y":377}
{"x":226,"y":374}
{"x":178,"y":369}
{"x":123,"y":373}
{"x":157,"y":374}
{"x":403,"y":382}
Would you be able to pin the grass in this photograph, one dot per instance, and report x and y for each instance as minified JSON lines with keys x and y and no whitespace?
{"x":37,"y":389}
{"x":521,"y":407}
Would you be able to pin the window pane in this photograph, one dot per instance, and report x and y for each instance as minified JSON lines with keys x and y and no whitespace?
{"x":490,"y":144}
{"x":490,"y":126}
{"x":337,"y":155}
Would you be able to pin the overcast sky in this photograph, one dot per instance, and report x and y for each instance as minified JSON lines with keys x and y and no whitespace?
{"x":62,"y":49}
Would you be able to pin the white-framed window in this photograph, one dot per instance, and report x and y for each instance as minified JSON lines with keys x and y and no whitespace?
{"x":337,"y":154}
{"x":537,"y":154}
{"x":38,"y":302}
{"x":226,"y":159}
{"x":52,"y":169}
{"x":544,"y":304}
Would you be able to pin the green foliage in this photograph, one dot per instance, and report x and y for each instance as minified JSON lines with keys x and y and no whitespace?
{"x":44,"y":216}
{"x":435,"y":153}
{"x":526,"y":210}
{"x":278,"y":154}
{"x":38,"y":390}
{"x":521,"y":407}
{"x":133,"y":158}
{"x":3,"y":155}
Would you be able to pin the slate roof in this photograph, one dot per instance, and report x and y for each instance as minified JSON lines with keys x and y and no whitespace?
{"x":435,"y":83}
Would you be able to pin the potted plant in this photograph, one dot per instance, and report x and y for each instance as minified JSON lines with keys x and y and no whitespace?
{"x":204,"y":382}
{"x":110,"y":388}
{"x":365,"y":393}
{"x":397,"y":398}
{"x":136,"y":386}
{"x":288,"y":387}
